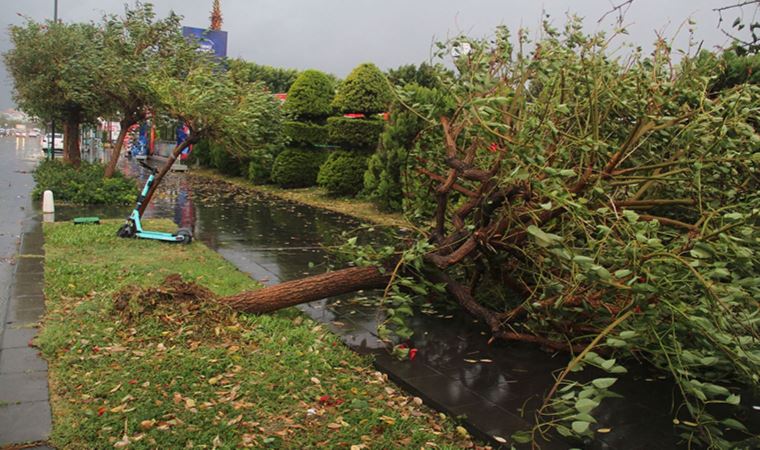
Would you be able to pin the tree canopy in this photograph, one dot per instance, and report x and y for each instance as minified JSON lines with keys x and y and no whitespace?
{"x":55,"y":69}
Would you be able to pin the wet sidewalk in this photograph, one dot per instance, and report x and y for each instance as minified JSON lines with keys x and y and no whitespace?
{"x":24,"y":408}
{"x":24,"y":400}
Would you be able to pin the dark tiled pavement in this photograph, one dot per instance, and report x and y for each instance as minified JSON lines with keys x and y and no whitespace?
{"x":24,"y":408}
{"x":24,"y":400}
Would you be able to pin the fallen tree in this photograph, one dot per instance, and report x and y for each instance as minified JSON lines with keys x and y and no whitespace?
{"x":581,"y":202}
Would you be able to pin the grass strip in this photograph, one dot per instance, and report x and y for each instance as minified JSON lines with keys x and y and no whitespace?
{"x":188,"y":374}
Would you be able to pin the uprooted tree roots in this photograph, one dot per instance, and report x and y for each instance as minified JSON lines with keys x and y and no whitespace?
{"x":180,"y":306}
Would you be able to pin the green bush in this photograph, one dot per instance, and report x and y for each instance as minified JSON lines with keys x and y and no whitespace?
{"x":385,"y":180}
{"x":365,"y":90}
{"x":306,"y":133}
{"x":310,"y":96}
{"x":201,"y":154}
{"x":295,"y":168}
{"x":260,"y":164}
{"x":342,"y":173}
{"x":84,"y":185}
{"x":355,"y":134}
{"x":227,"y":162}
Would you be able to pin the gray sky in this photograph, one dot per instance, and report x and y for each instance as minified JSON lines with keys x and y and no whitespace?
{"x":337,"y":35}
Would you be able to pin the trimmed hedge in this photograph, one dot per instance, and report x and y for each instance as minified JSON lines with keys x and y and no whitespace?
{"x":310,"y":96}
{"x":365,"y":90}
{"x":343,"y":173}
{"x":294,"y":168}
{"x":355,"y":134}
{"x":84,"y":185}
{"x":306,"y":133}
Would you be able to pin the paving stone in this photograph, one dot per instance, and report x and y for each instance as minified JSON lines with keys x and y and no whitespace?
{"x":25,"y":422}
{"x":27,"y":302}
{"x":24,"y":316}
{"x":32,"y":244}
{"x":30,"y":266}
{"x":23,"y":387}
{"x":30,"y":286}
{"x":18,"y":337}
{"x":15,"y":360}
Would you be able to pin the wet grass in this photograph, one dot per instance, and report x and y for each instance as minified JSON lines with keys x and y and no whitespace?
{"x":159,"y":377}
{"x":318,"y":198}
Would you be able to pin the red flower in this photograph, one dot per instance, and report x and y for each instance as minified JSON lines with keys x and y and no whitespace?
{"x":412,"y":354}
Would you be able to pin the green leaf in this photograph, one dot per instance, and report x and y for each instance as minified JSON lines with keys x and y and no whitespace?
{"x":734,"y":399}
{"x":542,"y":238}
{"x":580,"y":426}
{"x":522,"y":437}
{"x":604,"y":383}
{"x":585,"y":405}
{"x":734,"y":424}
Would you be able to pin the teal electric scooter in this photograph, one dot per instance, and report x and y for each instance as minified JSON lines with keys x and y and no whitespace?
{"x":133,"y":228}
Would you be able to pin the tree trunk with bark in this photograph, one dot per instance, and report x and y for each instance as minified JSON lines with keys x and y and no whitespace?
{"x":71,"y":153}
{"x":116,"y":152}
{"x":308,"y":289}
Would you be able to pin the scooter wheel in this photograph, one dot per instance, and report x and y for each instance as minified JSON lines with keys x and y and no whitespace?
{"x":126,"y":231}
{"x":186,"y":235}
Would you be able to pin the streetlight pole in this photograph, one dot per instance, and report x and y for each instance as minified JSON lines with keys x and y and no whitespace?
{"x":52,"y":122}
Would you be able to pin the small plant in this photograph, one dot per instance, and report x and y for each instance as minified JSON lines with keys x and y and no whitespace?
{"x":84,"y":185}
{"x":342,"y":173}
{"x":294,"y":168}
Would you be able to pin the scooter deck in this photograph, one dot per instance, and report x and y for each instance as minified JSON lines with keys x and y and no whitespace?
{"x":158,"y":235}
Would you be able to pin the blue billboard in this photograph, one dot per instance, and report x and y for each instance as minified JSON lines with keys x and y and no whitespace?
{"x":211,"y":41}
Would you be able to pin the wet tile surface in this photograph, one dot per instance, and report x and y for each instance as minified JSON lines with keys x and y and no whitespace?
{"x":18,"y":337}
{"x":25,"y":422}
{"x":21,"y":360}
{"x":23,"y":387}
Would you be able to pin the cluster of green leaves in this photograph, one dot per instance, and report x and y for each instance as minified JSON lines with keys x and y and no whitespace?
{"x":342,"y":172}
{"x":355,"y":133}
{"x":55,"y":69}
{"x":365,"y":91}
{"x":391,"y":170}
{"x":296,"y":168}
{"x":276,"y":79}
{"x":633,"y":215}
{"x":83,"y":186}
{"x":310,"y":97}
{"x":308,"y":134}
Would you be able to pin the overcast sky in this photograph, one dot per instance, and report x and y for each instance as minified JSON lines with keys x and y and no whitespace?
{"x":336,"y":35}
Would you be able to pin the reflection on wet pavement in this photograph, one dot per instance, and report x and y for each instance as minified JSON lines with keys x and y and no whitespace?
{"x":497,"y":387}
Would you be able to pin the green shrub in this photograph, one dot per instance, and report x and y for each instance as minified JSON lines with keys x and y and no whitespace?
{"x":201,"y":154}
{"x":365,"y":90}
{"x":310,"y":96}
{"x":295,"y":168}
{"x":385,"y":180}
{"x":227,"y":162}
{"x":84,"y":185}
{"x":342,"y":173}
{"x":260,"y":164}
{"x":306,"y":133}
{"x":355,"y":134}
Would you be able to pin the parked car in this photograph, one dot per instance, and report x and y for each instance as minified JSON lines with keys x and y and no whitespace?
{"x":58,"y":143}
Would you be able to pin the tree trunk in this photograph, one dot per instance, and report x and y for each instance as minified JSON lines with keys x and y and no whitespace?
{"x":116,"y":152}
{"x":308,"y":289}
{"x":160,"y":176}
{"x":71,"y":152}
